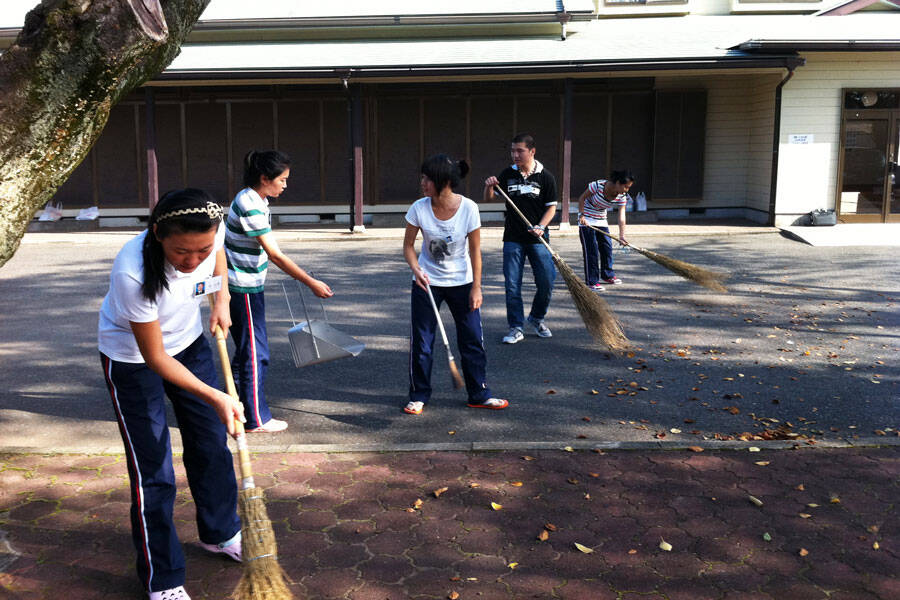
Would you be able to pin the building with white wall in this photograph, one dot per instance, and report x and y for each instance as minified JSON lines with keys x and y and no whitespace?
{"x":758,"y":109}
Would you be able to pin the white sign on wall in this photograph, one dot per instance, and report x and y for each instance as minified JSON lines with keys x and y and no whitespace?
{"x":800,"y":138}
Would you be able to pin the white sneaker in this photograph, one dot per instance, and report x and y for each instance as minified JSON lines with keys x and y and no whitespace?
{"x":270,"y":426}
{"x":230,"y":548}
{"x":177,"y":593}
{"x":515,"y":335}
{"x":540,"y":329}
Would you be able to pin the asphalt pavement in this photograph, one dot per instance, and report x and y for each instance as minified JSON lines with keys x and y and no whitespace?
{"x":804,"y":347}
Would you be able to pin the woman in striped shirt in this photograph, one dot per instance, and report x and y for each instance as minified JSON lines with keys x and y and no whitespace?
{"x":593,"y":203}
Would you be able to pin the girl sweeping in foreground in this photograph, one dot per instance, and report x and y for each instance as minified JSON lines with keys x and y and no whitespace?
{"x":249,"y":246}
{"x":151,"y":346}
{"x":449,"y":262}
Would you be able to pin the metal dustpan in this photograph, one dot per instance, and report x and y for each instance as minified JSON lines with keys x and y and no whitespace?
{"x":314,"y":341}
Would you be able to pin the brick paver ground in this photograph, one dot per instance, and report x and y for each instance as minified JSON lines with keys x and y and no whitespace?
{"x":375,"y":526}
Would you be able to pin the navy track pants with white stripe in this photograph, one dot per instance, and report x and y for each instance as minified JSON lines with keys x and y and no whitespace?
{"x":251,"y":355}
{"x":138,"y":397}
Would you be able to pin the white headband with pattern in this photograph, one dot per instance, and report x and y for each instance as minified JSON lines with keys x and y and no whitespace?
{"x":212,"y":210}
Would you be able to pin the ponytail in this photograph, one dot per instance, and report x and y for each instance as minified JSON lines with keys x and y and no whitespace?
{"x":268,"y":163}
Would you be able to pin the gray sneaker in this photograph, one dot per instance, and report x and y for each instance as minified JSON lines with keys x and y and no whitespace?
{"x":515,"y":335}
{"x":540,"y":329}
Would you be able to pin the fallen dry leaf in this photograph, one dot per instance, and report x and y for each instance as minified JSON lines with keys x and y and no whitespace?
{"x":664,"y":545}
{"x":551,"y":391}
{"x":453,"y":595}
{"x":526,"y":457}
{"x":695,"y":448}
{"x":451,"y":432}
{"x":516,"y":483}
{"x":753,"y":449}
{"x":762,"y":463}
{"x":872,"y":528}
{"x":674,"y":430}
{"x":875,"y":546}
{"x":418,"y":503}
{"x":437,"y":493}
{"x":584,"y":549}
{"x":569,"y":449}
{"x":513,"y":565}
{"x":496,"y":506}
{"x":632,"y":551}
{"x":835,"y":500}
{"x":549,"y":526}
{"x":805,"y":515}
{"x":799,"y":487}
{"x":544,"y":535}
{"x":594,"y":392}
{"x":803,"y":552}
{"x":755,"y":500}
{"x":572,"y":480}
{"x":474,"y":484}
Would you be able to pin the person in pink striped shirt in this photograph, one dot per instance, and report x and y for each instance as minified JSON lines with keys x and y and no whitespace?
{"x":600,"y":196}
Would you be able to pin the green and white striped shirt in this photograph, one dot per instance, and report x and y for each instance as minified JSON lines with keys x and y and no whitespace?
{"x":248,"y":218}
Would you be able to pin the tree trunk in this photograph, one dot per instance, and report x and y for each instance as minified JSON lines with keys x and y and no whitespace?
{"x":72,"y":61}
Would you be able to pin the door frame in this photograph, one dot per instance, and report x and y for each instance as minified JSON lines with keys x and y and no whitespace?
{"x":892,"y":116}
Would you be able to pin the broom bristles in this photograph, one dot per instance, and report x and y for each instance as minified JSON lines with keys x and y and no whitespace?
{"x":699,"y":275}
{"x":454,"y":373}
{"x":262,"y":578}
{"x":598,"y":317}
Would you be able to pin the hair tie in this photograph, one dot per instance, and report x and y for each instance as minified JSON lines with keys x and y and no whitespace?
{"x":212,"y":210}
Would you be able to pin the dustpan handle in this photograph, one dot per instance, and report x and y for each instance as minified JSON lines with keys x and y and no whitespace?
{"x":290,"y":310}
{"x":321,"y":302}
{"x":308,"y":322}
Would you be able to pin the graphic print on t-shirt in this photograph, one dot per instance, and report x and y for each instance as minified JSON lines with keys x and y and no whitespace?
{"x":441,"y":245}
{"x":516,"y":186}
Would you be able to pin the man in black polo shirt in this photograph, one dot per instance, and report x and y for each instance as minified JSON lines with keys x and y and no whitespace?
{"x":533,"y":190}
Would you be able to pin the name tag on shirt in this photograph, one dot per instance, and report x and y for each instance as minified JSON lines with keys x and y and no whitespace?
{"x":208,"y":286}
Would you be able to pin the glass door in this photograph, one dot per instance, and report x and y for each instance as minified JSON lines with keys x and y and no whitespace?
{"x":865,"y":164}
{"x":869,"y":185}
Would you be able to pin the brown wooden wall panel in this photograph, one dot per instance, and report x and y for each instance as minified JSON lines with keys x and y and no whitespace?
{"x":117,"y":166}
{"x":589,"y":141}
{"x":632,"y":132}
{"x":298,"y":135}
{"x":77,"y":191}
{"x":445,"y":127}
{"x":206,"y":149}
{"x":693,"y":141}
{"x":491,"y":132}
{"x":398,"y":150}
{"x":338,"y":183}
{"x":168,"y":147}
{"x":540,"y":116}
{"x":252,"y":128}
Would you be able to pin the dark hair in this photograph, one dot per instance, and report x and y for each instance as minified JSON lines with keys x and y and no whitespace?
{"x":180,"y":211}
{"x":444,"y":171}
{"x":270,"y":163}
{"x":524,"y":138}
{"x":623,"y":176}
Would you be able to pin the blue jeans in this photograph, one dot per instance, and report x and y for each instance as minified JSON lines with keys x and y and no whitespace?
{"x":469,"y":339}
{"x":542,"y":266}
{"x":594,"y":243}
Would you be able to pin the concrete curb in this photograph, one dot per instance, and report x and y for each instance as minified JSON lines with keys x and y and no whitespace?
{"x":654,"y":446}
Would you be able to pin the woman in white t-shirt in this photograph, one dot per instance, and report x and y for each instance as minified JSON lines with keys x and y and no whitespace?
{"x":449,"y":262}
{"x":151,"y":346}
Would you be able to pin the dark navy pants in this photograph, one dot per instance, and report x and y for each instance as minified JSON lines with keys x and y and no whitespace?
{"x":138,"y":397}
{"x":469,"y":338}
{"x":594,"y":243}
{"x":251,"y":355}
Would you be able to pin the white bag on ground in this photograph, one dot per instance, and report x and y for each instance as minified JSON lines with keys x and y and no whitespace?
{"x":88,"y":214}
{"x":641,"y":201}
{"x":52,"y":212}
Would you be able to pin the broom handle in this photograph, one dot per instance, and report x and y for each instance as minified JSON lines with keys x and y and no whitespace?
{"x":437,"y":315}
{"x":240,"y":436}
{"x":610,"y":236}
{"x":524,"y":218}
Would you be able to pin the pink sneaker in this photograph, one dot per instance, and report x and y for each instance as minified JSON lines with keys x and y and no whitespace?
{"x":230,"y":548}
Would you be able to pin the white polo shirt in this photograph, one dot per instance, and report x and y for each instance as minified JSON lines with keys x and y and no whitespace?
{"x":177,"y":309}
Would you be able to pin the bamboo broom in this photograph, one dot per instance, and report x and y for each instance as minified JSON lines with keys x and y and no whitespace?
{"x":699,"y":275}
{"x":262,"y":578}
{"x":598,"y":317}
{"x":454,"y":372}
